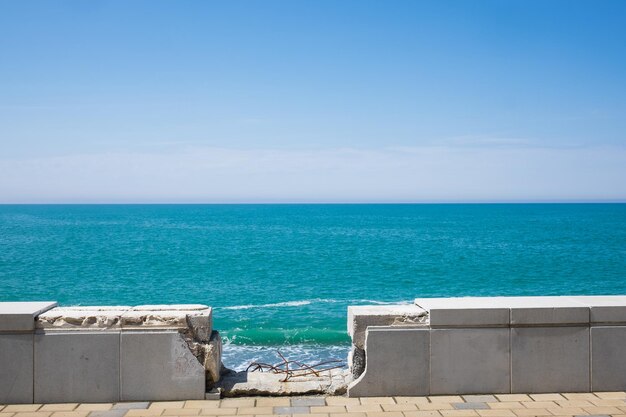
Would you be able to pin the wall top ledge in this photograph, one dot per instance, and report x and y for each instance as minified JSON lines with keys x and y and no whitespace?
{"x":20,"y":316}
{"x":521,"y":311}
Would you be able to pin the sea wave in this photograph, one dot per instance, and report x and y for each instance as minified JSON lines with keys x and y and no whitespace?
{"x":298,"y":303}
{"x":283,"y":336}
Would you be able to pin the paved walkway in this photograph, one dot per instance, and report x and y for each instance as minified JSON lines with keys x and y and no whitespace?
{"x":509,"y":405}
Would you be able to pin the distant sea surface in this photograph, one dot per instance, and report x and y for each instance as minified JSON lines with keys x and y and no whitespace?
{"x":281,"y":276}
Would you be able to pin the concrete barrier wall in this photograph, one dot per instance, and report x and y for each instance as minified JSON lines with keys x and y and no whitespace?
{"x":489,"y":345}
{"x":51,"y":354}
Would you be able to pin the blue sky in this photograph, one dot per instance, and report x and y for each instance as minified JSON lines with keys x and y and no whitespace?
{"x":323,"y":101}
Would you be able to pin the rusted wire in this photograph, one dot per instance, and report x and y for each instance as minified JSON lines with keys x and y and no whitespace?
{"x":297,"y":368}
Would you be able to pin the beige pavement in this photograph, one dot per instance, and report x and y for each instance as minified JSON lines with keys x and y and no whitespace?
{"x":499,"y":405}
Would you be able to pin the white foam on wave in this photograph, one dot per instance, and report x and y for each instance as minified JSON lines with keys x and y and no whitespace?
{"x":307,"y":302}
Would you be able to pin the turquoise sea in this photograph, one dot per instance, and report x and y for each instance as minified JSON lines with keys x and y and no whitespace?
{"x":281,"y":276}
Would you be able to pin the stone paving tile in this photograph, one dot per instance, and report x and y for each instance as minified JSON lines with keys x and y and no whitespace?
{"x":256,"y":410}
{"x":527,"y":412}
{"x":399,"y":407}
{"x":34,"y":414}
{"x":311,"y":415}
{"x":574,"y":403}
{"x":435,"y":406}
{"x":328,"y":409}
{"x":180,"y":412}
{"x":166,"y":404}
{"x":131,"y":406}
{"x":412,"y":400}
{"x":218,"y":411}
{"x":505,"y":405}
{"x":118,"y":412}
{"x":316,"y":401}
{"x":273,"y":402}
{"x":546,"y":397}
{"x":611,"y":395}
{"x":143,"y":412}
{"x":342,"y":401}
{"x":471,"y":406}
{"x":59,"y":407}
{"x":237,"y":402}
{"x":445,"y":399}
{"x":94,"y":407}
{"x":539,"y":404}
{"x":579,"y":396}
{"x":292,"y":410}
{"x":348,"y":415}
{"x":369,"y":408}
{"x":495,"y":413}
{"x":70,"y":413}
{"x":479,"y":398}
{"x":566,"y":411}
{"x":602,"y":410}
{"x":459,"y":413}
{"x":18,"y":408}
{"x":202,"y":404}
{"x":385,"y":414}
{"x":422,"y":413}
{"x":596,"y":415}
{"x":608,"y":403}
{"x":513,"y":397}
{"x":377,"y":400}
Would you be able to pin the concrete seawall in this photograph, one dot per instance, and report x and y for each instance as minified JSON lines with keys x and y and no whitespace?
{"x":489,"y":345}
{"x":51,"y":354}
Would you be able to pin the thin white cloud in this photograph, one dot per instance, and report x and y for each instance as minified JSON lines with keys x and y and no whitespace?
{"x":203,"y":174}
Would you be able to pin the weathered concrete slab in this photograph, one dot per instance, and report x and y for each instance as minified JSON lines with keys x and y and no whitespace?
{"x":83,"y":318}
{"x":397,"y":363}
{"x":465,"y":311}
{"x":76,"y":366}
{"x":550,"y":359}
{"x":540,"y":311}
{"x":16,"y":368}
{"x":608,"y":358}
{"x":20,"y":316}
{"x":361,"y":317}
{"x":470,"y":361}
{"x":158,"y":366}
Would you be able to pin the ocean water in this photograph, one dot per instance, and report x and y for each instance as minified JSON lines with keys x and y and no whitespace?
{"x":281,"y":276}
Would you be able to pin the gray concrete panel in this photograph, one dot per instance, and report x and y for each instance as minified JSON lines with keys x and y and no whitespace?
{"x":77,"y":366}
{"x":16,"y":368}
{"x":158,"y":366}
{"x":550,"y":359}
{"x":469,"y":361}
{"x":20,"y":316}
{"x":397,"y":363}
{"x":608,"y":358}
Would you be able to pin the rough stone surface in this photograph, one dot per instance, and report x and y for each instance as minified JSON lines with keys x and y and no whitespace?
{"x":159,"y":366}
{"x":20,"y":316}
{"x":213,"y":358}
{"x":16,"y":368}
{"x":608,"y":358}
{"x":88,"y":317}
{"x":550,"y":359}
{"x":361,"y":317}
{"x":469,"y":361}
{"x":77,"y":366}
{"x":236,"y":384}
{"x":356,"y":359}
{"x":397,"y":363}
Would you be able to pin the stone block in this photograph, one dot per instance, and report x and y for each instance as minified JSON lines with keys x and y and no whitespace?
{"x":397,"y":363}
{"x":361,"y":317}
{"x":469,"y":361}
{"x":542,"y":311}
{"x":466,"y":311}
{"x":550,"y":359}
{"x":74,"y":366}
{"x":158,"y":366}
{"x":20,"y":316}
{"x":16,"y":368}
{"x":608,"y":358}
{"x":605,"y":309}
